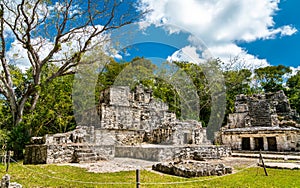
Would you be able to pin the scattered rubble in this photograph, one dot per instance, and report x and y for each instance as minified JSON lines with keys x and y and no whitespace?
{"x":5,"y":182}
{"x":190,"y":169}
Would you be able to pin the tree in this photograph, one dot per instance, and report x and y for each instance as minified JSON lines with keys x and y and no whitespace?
{"x":237,"y":82}
{"x":293,"y":84}
{"x":54,"y":110}
{"x":107,"y":76}
{"x":271,"y":78}
{"x":199,"y":79}
{"x":51,"y":33}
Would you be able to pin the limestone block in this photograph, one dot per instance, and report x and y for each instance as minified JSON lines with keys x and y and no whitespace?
{"x":241,"y":108}
{"x":119,"y":95}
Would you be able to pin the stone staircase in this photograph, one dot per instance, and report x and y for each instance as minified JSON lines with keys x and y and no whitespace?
{"x":85,"y":154}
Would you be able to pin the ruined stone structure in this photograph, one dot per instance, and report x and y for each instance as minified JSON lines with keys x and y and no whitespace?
{"x":262,"y":122}
{"x":191,"y":169}
{"x":73,"y":146}
{"x":127,"y":118}
{"x":131,"y":118}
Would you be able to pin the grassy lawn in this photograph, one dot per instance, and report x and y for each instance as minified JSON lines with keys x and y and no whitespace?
{"x":67,"y":176}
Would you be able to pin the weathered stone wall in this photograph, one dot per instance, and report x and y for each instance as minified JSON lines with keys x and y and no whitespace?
{"x":60,"y":153}
{"x":35,"y":154}
{"x":136,"y":110}
{"x":63,"y":148}
{"x":164,"y":135}
{"x":287,"y":139}
{"x":67,"y":153}
{"x":139,"y":111}
{"x":264,"y":122}
{"x":168,"y":153}
{"x":202,"y":153}
{"x":261,"y":110}
{"x":82,"y":134}
{"x":119,"y":137}
{"x":144,"y":119}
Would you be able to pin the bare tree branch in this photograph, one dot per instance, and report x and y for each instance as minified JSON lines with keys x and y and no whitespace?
{"x":32,"y":21}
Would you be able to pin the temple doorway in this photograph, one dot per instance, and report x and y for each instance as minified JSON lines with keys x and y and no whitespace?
{"x":272,"y":144}
{"x":246,"y":143}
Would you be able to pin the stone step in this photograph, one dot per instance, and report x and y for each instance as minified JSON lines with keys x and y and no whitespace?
{"x":85,"y":154}
{"x":267,"y":156}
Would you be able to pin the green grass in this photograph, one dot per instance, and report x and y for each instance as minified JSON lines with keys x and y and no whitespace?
{"x":67,"y":176}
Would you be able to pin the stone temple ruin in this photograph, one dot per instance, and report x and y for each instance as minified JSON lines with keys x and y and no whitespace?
{"x":262,"y":122}
{"x":131,"y":124}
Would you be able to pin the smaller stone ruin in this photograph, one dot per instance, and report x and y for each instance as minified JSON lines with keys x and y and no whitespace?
{"x":202,"y":153}
{"x":262,"y":122}
{"x":74,"y":146}
{"x":189,"y":169}
{"x":194,"y":162}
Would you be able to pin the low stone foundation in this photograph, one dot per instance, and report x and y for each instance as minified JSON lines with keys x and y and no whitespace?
{"x":168,"y":153}
{"x":191,"y":169}
{"x":62,"y":153}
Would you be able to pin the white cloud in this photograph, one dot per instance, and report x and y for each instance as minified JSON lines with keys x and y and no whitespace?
{"x":228,"y":52}
{"x":288,"y":30}
{"x":188,"y":53}
{"x":17,"y":54}
{"x":219,"y":23}
{"x":117,"y":56}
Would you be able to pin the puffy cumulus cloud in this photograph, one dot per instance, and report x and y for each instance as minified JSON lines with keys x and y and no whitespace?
{"x":188,"y":53}
{"x":220,"y":23}
{"x":241,"y":59}
{"x":236,"y":57}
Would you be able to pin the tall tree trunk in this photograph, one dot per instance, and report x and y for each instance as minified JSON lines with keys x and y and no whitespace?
{"x":34,"y":102}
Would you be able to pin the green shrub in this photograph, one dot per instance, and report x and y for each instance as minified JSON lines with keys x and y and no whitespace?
{"x":18,"y":137}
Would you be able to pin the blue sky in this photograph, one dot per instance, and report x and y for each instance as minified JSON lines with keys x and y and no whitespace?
{"x":281,"y":50}
{"x":259,"y":32}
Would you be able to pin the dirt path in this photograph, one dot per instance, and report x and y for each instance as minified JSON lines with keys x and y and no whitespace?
{"x":127,"y":164}
{"x":116,"y":165}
